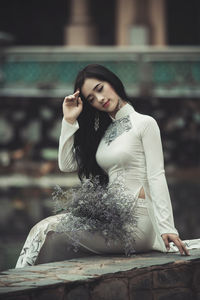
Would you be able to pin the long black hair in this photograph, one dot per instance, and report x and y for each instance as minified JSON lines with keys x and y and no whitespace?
{"x":86,"y":138}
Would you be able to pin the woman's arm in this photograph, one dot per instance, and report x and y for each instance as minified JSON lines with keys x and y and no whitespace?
{"x":66,"y":155}
{"x":158,"y":184}
{"x":72,"y":107}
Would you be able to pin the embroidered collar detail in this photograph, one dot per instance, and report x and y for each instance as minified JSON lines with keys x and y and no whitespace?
{"x":120,"y":124}
{"x":116,"y":129}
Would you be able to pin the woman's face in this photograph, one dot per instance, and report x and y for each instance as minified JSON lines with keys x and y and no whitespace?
{"x":101,"y":95}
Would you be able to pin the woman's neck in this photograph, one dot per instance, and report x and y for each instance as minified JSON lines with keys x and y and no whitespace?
{"x":120,"y":104}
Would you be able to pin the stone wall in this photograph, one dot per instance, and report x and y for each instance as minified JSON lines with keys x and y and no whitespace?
{"x":152,"y":276}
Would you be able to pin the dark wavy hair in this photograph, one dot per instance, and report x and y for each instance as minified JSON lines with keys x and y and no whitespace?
{"x":86,"y":138}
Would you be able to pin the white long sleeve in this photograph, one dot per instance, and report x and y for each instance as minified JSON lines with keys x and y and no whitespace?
{"x":66,"y":157}
{"x":156,"y":177}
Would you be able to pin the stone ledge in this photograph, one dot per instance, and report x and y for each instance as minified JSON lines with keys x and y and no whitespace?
{"x":151,"y":276}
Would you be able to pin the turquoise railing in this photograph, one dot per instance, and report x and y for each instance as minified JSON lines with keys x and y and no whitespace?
{"x":51,"y":71}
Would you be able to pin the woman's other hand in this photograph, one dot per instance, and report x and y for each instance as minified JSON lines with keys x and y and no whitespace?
{"x":72,"y":107}
{"x":171,"y":237}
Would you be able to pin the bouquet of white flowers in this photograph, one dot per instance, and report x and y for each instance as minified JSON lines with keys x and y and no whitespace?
{"x":107,"y":209}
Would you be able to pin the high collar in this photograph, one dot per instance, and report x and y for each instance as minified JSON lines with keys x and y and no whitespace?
{"x":127,"y":109}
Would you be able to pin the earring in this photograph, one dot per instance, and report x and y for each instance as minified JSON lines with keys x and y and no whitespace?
{"x":119,"y":103}
{"x":96,"y":121}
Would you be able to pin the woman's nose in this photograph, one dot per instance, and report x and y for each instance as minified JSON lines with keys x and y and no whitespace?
{"x":100,"y":98}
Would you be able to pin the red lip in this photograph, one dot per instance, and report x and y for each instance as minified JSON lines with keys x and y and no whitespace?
{"x":106,"y":104}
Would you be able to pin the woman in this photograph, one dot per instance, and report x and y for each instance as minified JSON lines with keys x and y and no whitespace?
{"x":102,"y":135}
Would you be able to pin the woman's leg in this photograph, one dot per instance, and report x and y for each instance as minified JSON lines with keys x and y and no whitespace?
{"x":44,"y":244}
{"x":58,"y":247}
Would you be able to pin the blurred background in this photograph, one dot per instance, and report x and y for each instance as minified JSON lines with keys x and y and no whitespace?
{"x":152,"y":45}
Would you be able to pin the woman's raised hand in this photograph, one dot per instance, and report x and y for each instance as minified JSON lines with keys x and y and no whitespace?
{"x":72,"y":107}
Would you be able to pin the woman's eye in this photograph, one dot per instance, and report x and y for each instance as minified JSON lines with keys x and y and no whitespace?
{"x":91,"y":100}
{"x":100,"y":88}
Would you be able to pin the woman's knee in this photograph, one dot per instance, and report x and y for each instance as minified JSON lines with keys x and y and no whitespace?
{"x":49,"y":222}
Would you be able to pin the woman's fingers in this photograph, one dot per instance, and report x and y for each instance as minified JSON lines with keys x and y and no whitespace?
{"x":76,"y":93}
{"x":183,"y":248}
{"x":69,"y":98}
{"x":166,"y":241}
{"x":72,"y":98}
{"x":72,"y":107}
{"x":180,"y":245}
{"x":177,"y":241}
{"x":79,"y":100}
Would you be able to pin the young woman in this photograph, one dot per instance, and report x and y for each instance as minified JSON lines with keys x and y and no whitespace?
{"x":102,"y":135}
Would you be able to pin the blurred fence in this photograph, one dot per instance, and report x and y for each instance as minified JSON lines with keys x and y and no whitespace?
{"x":50,"y":71}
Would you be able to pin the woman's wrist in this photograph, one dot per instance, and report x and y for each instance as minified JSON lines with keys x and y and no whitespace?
{"x":71,"y":121}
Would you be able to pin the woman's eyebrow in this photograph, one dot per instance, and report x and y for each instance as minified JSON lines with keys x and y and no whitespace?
{"x":94,"y":88}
